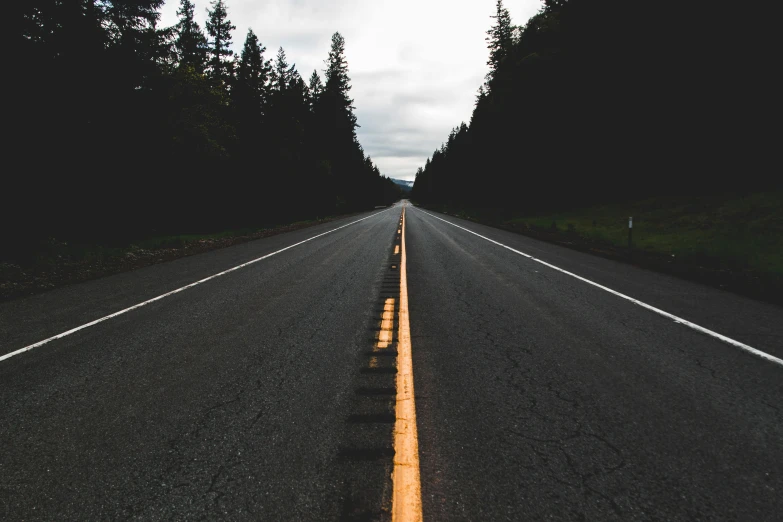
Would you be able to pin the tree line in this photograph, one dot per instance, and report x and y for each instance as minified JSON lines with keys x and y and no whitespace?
{"x":123,"y":129}
{"x":598,"y":101}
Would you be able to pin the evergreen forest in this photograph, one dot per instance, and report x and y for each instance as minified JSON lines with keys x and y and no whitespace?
{"x":601,"y":101}
{"x":123,"y":129}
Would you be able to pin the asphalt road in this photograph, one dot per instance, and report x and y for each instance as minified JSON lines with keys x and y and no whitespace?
{"x":263,"y":394}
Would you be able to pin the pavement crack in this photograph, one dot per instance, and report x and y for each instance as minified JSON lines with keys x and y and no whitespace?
{"x":213,"y":481}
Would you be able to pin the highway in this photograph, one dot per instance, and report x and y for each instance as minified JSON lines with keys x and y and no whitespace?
{"x":379,"y":367}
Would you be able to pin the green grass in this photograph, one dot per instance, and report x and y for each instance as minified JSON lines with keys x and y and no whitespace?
{"x":733,"y":233}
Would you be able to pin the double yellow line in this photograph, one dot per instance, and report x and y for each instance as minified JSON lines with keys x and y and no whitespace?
{"x":406,"y":497}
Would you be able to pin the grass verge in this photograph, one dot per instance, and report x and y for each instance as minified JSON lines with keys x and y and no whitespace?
{"x":733,"y":242}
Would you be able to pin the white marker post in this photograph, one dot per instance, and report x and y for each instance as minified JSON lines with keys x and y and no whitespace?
{"x":630,"y":233}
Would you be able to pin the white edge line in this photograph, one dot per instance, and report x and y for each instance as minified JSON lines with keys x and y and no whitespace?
{"x":158,"y":298}
{"x":658,"y":311}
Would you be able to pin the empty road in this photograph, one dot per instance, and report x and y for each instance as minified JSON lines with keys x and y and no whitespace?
{"x":274,"y":380}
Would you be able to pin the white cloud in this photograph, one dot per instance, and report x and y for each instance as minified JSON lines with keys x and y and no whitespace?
{"x":415,"y":64}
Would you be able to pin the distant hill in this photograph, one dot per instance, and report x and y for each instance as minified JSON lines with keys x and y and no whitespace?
{"x":404,"y":184}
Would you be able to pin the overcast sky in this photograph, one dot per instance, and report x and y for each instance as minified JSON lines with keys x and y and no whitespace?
{"x":415,"y":65}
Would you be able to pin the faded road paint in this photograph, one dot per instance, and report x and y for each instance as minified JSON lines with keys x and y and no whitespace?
{"x":387,"y":324}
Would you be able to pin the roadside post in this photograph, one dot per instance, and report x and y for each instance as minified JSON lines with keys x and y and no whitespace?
{"x":630,"y":232}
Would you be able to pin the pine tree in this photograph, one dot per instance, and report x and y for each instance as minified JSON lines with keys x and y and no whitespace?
{"x":294,"y":78}
{"x":336,"y":124}
{"x":298,"y":95}
{"x":480,"y":95}
{"x":297,"y":85}
{"x":123,"y":17}
{"x":190,"y":43}
{"x":253,"y":72}
{"x":250,"y":97}
{"x":338,"y":82}
{"x":500,"y":39}
{"x":219,"y":27}
{"x":316,"y":88}
{"x":281,"y":74}
{"x":132,"y":40}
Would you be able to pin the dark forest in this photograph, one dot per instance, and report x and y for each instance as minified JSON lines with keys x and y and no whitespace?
{"x":600,"y":101}
{"x":122,"y":129}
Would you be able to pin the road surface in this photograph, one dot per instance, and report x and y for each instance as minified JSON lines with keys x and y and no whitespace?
{"x":272,"y":391}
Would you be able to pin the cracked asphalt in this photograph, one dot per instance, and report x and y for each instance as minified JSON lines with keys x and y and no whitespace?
{"x":537,"y":396}
{"x":227,"y":400}
{"x":541,"y":397}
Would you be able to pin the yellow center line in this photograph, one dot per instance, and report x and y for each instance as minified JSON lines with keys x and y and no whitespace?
{"x":406,"y":496}
{"x":387,"y":324}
